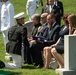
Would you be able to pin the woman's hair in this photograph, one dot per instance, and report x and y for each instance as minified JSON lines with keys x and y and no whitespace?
{"x":72,"y":19}
{"x":65,"y":18}
{"x":37,"y":17}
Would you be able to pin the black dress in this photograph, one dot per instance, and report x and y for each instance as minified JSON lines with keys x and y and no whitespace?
{"x":60,"y":45}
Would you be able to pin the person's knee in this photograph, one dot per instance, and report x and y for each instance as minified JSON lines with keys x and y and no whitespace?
{"x":48,"y":52}
{"x":53,"y":51}
{"x":44,"y":48}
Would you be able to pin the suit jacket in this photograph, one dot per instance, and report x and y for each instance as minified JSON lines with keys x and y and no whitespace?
{"x":45,"y":9}
{"x":60,"y":11}
{"x":53,"y":36}
{"x":57,"y":10}
{"x":60,"y":7}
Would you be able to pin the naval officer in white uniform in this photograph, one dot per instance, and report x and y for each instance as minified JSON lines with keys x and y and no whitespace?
{"x":31,"y":7}
{"x":7,"y":19}
{"x":0,"y":13}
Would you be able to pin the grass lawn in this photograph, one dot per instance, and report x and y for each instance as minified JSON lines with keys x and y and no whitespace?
{"x":19,"y":5}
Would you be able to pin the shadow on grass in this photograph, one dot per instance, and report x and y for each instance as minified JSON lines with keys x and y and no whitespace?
{"x":16,"y":73}
{"x":29,"y":67}
{"x":3,"y":72}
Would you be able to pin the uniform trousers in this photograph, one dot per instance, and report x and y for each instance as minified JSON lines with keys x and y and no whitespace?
{"x":17,"y":62}
{"x":5,"y":37}
{"x":0,"y":22}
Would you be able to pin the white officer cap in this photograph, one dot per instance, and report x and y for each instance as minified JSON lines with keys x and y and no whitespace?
{"x":19,"y":16}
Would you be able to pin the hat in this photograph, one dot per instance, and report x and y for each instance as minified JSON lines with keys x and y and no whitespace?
{"x":19,"y":16}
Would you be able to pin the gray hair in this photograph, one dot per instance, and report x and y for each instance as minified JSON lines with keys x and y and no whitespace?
{"x":36,"y":16}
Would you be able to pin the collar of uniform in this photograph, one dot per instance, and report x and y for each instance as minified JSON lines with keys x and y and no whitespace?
{"x":19,"y":24}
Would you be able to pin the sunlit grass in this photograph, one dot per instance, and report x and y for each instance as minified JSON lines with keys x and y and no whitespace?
{"x":19,"y":5}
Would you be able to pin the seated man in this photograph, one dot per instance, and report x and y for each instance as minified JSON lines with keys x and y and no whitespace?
{"x":18,"y":42}
{"x":37,"y":28}
{"x":43,"y":21}
{"x":57,"y":49}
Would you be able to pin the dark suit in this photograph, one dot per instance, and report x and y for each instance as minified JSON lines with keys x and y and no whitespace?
{"x":37,"y":47}
{"x":33,"y":33}
{"x":55,"y":10}
{"x":45,"y":9}
{"x":61,"y":10}
{"x":60,"y":7}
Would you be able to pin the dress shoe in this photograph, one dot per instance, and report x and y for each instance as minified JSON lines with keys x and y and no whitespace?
{"x":2,"y":65}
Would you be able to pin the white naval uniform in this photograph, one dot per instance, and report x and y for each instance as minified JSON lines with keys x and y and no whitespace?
{"x":17,"y":62}
{"x":0,"y":15}
{"x":31,"y":7}
{"x":7,"y":19}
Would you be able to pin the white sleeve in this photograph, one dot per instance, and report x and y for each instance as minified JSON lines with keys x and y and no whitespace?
{"x":11,"y":15}
{"x":28,"y":7}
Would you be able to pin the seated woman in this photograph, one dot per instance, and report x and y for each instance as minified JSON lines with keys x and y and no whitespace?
{"x":57,"y":49}
{"x":37,"y":24}
{"x":72,"y":23}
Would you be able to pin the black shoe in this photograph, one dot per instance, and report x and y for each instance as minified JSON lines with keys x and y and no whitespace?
{"x":35,"y":64}
{"x":39,"y":66}
{"x":2,"y":65}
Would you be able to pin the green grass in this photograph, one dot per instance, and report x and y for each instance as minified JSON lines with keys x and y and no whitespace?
{"x":31,"y":70}
{"x":19,"y":5}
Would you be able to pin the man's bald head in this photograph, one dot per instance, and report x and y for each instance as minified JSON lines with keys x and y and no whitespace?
{"x":44,"y":17}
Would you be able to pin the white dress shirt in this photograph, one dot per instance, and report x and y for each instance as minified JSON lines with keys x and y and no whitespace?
{"x":55,"y":3}
{"x":7,"y":20}
{"x":50,"y":8}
